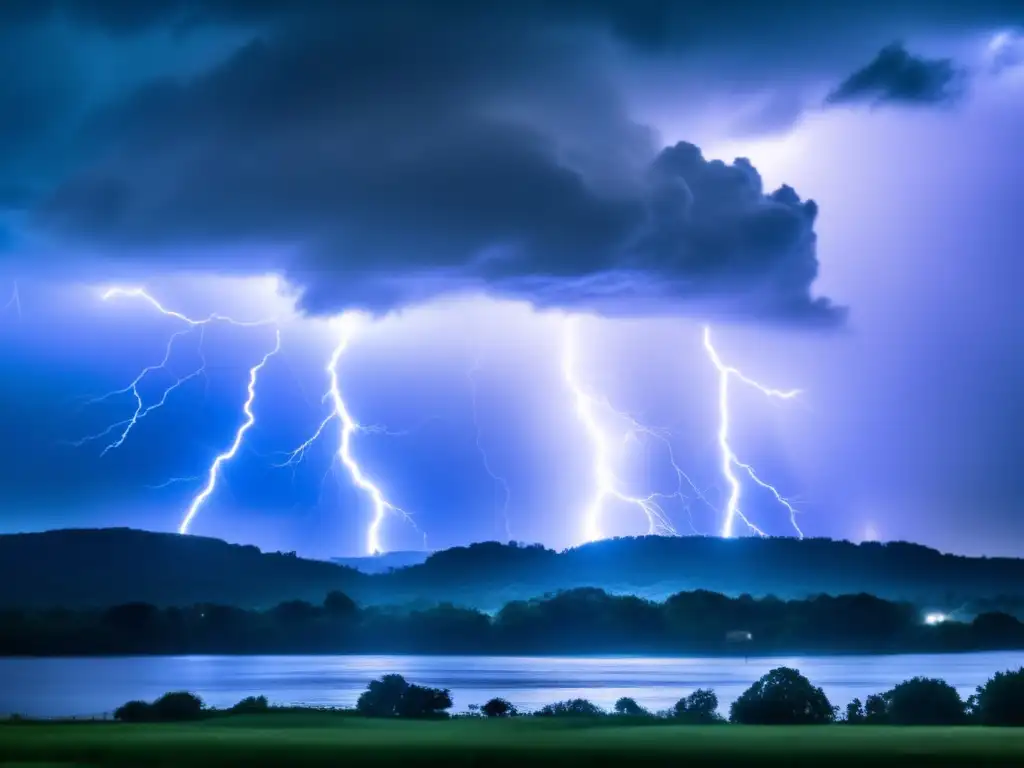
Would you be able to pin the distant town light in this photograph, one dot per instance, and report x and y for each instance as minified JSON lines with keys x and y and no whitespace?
{"x":932,"y":619}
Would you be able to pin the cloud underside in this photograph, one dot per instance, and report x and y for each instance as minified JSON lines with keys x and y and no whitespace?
{"x":383,"y":154}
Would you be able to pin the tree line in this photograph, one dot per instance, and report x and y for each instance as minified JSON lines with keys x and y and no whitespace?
{"x":585,"y":620}
{"x":782,"y":696}
{"x":86,"y":568}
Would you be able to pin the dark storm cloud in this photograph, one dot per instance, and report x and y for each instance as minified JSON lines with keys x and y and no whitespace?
{"x":455,"y":157}
{"x":380,"y":154}
{"x":897,"y":76}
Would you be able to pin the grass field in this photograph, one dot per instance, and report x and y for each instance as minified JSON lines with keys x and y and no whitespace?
{"x":325,"y":740}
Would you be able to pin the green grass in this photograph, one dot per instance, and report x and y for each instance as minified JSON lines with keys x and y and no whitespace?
{"x":329,"y":740}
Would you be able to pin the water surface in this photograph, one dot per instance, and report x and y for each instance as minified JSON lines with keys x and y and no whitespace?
{"x":59,"y":687}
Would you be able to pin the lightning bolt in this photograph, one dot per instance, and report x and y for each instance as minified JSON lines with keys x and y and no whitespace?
{"x":729,"y":459}
{"x":14,"y":302}
{"x":219,"y":460}
{"x":349,"y":427}
{"x":607,"y":484}
{"x":499,"y":480}
{"x":141,"y":409}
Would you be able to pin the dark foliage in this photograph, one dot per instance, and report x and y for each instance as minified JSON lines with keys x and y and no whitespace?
{"x":924,"y":701}
{"x":84,"y":568}
{"x":393,"y":696}
{"x":855,"y":712}
{"x":499,"y":708}
{"x":782,"y":697}
{"x":701,"y":706}
{"x":629,"y":708}
{"x":582,"y":620}
{"x":178,"y":706}
{"x":135,"y":712}
{"x":875,"y":709}
{"x":571,"y":708}
{"x":1000,"y":701}
{"x":251,"y":705}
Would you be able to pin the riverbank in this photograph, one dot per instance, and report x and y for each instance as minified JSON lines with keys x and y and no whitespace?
{"x":314,"y":739}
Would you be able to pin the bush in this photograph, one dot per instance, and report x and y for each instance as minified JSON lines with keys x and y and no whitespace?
{"x":421,"y":701}
{"x":924,"y":701}
{"x":178,"y":706}
{"x":251,"y":705}
{"x":701,"y":706}
{"x":392,"y":696}
{"x":382,"y":697}
{"x":499,"y":708}
{"x":1000,"y":701}
{"x":629,"y":708}
{"x":135,"y":712}
{"x":782,"y":697}
{"x":571,"y":708}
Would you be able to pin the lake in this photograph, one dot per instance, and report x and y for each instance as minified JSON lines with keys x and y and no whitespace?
{"x":89,"y":687}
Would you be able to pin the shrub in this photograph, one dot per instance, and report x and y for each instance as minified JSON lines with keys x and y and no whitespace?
{"x":135,"y":712}
{"x":1000,"y":701}
{"x":924,"y":701}
{"x":499,"y":708}
{"x":392,"y":696}
{"x":782,"y":697}
{"x":251,"y":705}
{"x":701,"y":706}
{"x":571,"y":708}
{"x":178,"y":706}
{"x":421,"y":701}
{"x":628,"y":707}
{"x":382,"y":697}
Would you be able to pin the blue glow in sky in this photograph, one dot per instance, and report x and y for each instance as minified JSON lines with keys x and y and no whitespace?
{"x":528,"y":182}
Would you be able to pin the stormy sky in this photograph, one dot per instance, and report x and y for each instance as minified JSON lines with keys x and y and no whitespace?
{"x":834,"y":190}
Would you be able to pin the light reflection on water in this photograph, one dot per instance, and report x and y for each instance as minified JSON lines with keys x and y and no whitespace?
{"x":55,"y":687}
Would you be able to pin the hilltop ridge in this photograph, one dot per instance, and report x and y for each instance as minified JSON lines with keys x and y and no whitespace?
{"x":99,"y":567}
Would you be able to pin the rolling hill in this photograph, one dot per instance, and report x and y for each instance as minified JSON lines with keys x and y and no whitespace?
{"x":81,"y":568}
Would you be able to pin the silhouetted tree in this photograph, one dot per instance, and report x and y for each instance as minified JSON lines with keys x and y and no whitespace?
{"x":571,"y":708}
{"x":392,"y":696}
{"x":782,"y":697}
{"x":629,"y":707}
{"x":251,"y":705}
{"x":701,"y":706}
{"x":178,"y":706}
{"x":1000,"y":701}
{"x":498,"y":708}
{"x":855,"y":712}
{"x":924,"y":701}
{"x":135,"y":712}
{"x":340,"y":606}
{"x":875,"y":709}
{"x":421,"y":701}
{"x":382,"y":697}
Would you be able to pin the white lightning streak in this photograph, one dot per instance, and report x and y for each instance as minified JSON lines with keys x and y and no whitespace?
{"x":499,"y":480}
{"x":608,"y":485}
{"x":349,"y":426}
{"x":728,"y":456}
{"x":250,"y":419}
{"x":141,"y":409}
